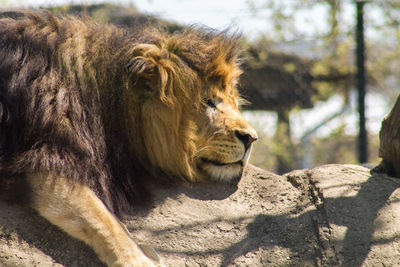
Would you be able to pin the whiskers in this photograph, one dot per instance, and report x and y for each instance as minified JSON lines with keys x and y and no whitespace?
{"x":202,"y":151}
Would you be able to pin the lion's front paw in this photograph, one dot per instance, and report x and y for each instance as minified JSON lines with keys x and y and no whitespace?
{"x":138,"y":260}
{"x":145,"y":257}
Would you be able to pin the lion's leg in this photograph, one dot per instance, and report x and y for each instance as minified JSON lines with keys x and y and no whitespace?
{"x":78,"y":211}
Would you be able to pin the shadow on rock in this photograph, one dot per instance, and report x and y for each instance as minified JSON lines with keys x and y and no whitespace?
{"x":358,"y":214}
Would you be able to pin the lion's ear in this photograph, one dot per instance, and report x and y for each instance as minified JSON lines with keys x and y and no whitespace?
{"x":150,"y":67}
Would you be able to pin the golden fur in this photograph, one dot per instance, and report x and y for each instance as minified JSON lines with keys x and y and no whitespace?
{"x":89,"y":114}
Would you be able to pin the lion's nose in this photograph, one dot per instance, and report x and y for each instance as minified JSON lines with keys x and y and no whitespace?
{"x":246,"y":138}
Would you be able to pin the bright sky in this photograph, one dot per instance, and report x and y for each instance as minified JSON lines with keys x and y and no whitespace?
{"x":213,"y":13}
{"x":217,"y":14}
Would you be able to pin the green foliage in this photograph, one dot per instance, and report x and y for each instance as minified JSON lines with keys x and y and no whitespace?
{"x":4,"y":3}
{"x":289,"y":67}
{"x":339,"y":147}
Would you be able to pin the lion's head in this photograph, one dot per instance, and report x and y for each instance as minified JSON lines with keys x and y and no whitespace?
{"x":184,"y":105}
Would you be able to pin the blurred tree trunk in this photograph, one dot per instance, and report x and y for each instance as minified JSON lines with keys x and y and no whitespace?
{"x":389,"y":149}
{"x":284,"y":148}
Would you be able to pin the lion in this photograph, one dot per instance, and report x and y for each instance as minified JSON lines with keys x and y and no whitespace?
{"x":91,"y":115}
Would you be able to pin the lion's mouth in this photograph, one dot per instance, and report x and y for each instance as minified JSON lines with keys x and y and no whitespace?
{"x":221,"y":164}
{"x":221,"y":171}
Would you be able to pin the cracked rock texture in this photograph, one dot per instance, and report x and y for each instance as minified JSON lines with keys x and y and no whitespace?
{"x":333,"y":215}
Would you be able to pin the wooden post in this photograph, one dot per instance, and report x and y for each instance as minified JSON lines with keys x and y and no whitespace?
{"x":360,"y":61}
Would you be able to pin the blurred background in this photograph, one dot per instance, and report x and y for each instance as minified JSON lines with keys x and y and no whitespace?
{"x":301,"y":77}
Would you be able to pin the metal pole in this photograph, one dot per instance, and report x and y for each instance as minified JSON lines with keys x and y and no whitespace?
{"x":361,"y":83}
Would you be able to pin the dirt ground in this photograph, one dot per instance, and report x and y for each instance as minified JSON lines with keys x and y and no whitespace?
{"x":333,"y":215}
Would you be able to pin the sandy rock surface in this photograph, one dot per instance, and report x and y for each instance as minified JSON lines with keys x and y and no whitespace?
{"x":333,"y":215}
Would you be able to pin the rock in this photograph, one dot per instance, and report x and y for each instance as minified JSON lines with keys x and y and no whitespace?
{"x":333,"y":215}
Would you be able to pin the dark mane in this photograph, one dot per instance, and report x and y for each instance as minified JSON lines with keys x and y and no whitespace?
{"x":62,"y":83}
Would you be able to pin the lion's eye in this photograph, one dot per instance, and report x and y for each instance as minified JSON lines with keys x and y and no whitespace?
{"x":210,"y":103}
